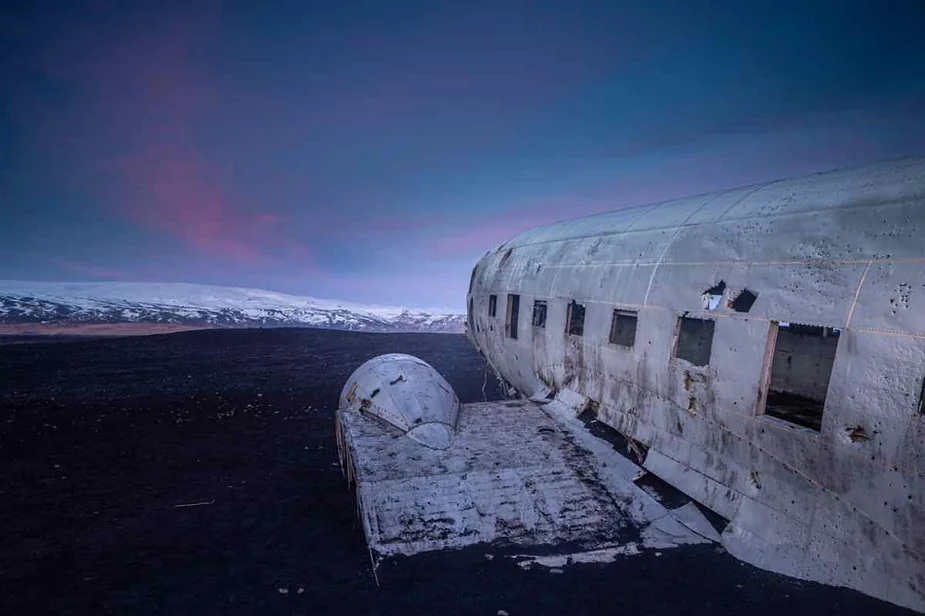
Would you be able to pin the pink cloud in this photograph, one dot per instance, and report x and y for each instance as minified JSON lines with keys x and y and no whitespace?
{"x":145,"y":98}
{"x":168,"y":188}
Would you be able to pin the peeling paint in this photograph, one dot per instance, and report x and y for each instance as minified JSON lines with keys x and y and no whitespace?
{"x":838,"y":499}
{"x":713,"y":296}
{"x":516,"y":472}
{"x":418,"y":401}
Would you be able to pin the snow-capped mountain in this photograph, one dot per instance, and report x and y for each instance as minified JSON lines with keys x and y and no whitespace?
{"x":88,"y":303}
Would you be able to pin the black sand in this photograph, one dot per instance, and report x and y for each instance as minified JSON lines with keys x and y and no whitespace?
{"x":196,"y":473}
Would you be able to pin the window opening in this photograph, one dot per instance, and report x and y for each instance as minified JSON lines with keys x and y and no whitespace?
{"x":539,"y":313}
{"x":492,"y":305}
{"x":744,"y":301}
{"x":623,"y":328}
{"x":576,"y":319}
{"x":800,"y":372}
{"x":513,"y":316}
{"x":695,"y":340}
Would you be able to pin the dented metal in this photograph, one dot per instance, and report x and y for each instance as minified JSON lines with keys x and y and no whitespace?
{"x":842,"y":251}
{"x":407,"y":393}
{"x":516,"y":473}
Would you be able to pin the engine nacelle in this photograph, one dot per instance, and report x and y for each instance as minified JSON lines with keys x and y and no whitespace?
{"x":407,"y":393}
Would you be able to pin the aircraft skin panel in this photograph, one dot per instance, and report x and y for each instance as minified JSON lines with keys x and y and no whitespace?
{"x":670,"y":214}
{"x":615,"y":222}
{"x":518,"y":473}
{"x":741,"y":373}
{"x":843,"y":188}
{"x":794,"y":409}
{"x":888,"y":182}
{"x":892,"y":299}
{"x":719,"y":204}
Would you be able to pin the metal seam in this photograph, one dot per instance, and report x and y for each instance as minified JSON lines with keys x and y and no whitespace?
{"x":645,"y":301}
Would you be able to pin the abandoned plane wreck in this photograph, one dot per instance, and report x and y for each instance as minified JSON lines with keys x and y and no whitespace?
{"x":760,"y":349}
{"x":765,"y":346}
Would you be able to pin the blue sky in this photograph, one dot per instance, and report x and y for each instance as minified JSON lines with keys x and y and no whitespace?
{"x":374,"y":151}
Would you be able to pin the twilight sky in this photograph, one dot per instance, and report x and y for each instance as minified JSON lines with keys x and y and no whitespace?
{"x":374,"y":151}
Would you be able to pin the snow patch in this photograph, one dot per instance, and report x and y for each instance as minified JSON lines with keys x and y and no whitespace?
{"x":119,"y":302}
{"x":557,"y":561}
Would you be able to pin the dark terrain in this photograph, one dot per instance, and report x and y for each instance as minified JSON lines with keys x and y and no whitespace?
{"x":196,"y":473}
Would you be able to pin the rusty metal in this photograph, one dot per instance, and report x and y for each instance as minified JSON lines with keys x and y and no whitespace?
{"x":841,"y":250}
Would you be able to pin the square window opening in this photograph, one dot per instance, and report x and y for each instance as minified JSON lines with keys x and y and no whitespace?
{"x":575,"y":324}
{"x":623,"y":328}
{"x":512,"y":321}
{"x":695,"y":340}
{"x":743,"y":301}
{"x":492,"y":305}
{"x":539,"y":313}
{"x":800,"y":372}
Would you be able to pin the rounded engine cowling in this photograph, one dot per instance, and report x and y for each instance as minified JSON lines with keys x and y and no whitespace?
{"x":409,"y":394}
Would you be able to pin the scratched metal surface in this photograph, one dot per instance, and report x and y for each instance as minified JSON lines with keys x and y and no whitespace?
{"x":515,"y":473}
{"x":842,"y":249}
{"x":407,"y":393}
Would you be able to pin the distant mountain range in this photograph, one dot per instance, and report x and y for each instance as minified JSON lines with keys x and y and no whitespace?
{"x":37,"y":307}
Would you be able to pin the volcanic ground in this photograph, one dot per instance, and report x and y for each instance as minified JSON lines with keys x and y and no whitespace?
{"x":196,"y":473}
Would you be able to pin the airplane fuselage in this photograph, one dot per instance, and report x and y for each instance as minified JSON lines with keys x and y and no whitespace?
{"x":763,"y":346}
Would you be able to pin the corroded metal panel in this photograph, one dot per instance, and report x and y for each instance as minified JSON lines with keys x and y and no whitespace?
{"x":892,"y":298}
{"x":599,"y":224}
{"x":821,"y":192}
{"x":516,"y":472}
{"x":840,"y":250}
{"x":671,"y":214}
{"x":408,"y":393}
{"x":718,"y":204}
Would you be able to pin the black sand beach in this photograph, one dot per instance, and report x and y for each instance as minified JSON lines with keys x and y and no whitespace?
{"x":196,"y":473}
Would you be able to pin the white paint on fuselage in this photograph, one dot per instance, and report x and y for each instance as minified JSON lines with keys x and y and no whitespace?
{"x":841,"y":250}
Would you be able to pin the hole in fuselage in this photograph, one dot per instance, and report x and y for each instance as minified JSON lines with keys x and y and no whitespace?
{"x":800,"y":373}
{"x":712,"y":296}
{"x":695,"y":340}
{"x":744,"y":301}
{"x":575,"y":325}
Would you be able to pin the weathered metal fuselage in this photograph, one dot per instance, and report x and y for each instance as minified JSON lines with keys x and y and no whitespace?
{"x":764,"y":345}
